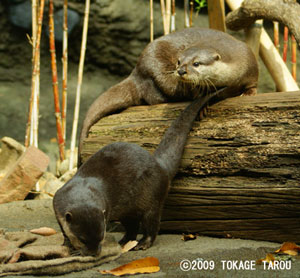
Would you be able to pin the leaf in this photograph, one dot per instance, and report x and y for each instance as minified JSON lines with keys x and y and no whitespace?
{"x":188,"y":237}
{"x":43,"y":231}
{"x":146,"y":265}
{"x":269,"y":259}
{"x":289,"y":248}
{"x":129,"y":245}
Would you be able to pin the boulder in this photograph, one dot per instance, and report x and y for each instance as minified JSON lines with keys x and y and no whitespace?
{"x":23,"y":175}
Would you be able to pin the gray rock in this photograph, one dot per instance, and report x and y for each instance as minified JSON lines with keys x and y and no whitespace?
{"x":20,"y":14}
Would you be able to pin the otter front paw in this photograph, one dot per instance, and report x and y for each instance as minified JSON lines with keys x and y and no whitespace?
{"x":123,"y":241}
{"x":202,"y":114}
{"x":144,"y":244}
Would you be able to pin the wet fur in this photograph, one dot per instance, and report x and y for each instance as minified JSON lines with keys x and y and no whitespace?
{"x":122,"y":181}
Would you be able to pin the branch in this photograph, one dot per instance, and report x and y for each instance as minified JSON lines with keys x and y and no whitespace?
{"x":286,"y":12}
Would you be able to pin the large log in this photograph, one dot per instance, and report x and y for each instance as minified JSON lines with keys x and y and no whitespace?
{"x":240,"y":172}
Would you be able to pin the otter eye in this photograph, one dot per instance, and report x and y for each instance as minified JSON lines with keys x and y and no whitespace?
{"x":68,"y":217}
{"x":196,"y":64}
{"x":178,"y":63}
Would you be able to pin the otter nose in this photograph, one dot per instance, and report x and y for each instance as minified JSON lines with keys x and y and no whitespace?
{"x":181,"y":72}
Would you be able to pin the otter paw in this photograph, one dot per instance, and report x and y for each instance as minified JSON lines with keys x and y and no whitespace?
{"x":123,"y":241}
{"x":202,"y":114}
{"x":250,"y":92}
{"x":144,"y":244}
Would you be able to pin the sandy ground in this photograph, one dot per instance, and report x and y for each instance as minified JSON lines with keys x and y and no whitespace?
{"x":169,"y":249}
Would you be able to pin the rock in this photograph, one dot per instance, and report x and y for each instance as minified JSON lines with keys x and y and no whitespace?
{"x":23,"y":175}
{"x":49,"y":189}
{"x":10,"y":153}
{"x":44,"y":194}
{"x":68,"y":175}
{"x":63,"y":167}
{"x":20,"y":14}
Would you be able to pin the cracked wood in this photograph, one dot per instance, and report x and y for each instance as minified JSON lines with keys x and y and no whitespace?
{"x":240,"y":168}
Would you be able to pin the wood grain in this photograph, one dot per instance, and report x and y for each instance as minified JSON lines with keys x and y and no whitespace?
{"x":240,"y":171}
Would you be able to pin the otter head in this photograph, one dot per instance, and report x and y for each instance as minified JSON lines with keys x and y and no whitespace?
{"x":198,"y":65}
{"x":84,"y":229}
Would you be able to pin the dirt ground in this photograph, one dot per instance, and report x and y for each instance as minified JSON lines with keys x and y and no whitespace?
{"x":169,"y":249}
{"x":15,"y":84}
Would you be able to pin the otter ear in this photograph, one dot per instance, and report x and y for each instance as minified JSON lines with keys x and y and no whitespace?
{"x":217,"y":57}
{"x":68,"y":217}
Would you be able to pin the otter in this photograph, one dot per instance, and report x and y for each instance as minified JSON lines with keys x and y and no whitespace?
{"x":124,"y":182}
{"x":175,"y":67}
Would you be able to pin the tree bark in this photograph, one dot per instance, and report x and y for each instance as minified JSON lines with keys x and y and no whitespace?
{"x":286,"y":12}
{"x":240,"y":171}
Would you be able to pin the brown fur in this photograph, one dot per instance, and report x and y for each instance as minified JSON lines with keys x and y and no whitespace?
{"x":124,"y":182}
{"x":155,"y":80}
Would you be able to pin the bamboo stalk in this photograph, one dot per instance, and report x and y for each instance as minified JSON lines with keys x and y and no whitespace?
{"x":151,"y":21}
{"x":173,"y":14}
{"x":191,"y":13}
{"x":275,"y":65}
{"x":163,"y":14}
{"x":35,"y":111}
{"x":80,"y":73}
{"x":35,"y":71}
{"x":294,"y":58}
{"x":55,"y":83}
{"x":36,"y":100}
{"x":285,"y":43}
{"x":34,"y":11}
{"x":276,"y":34}
{"x":168,"y":16}
{"x":186,"y":14}
{"x":253,"y":34}
{"x":33,"y":42}
{"x":65,"y":72}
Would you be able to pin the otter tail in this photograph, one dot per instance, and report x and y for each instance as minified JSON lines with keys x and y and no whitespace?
{"x":118,"y":97}
{"x":170,"y":149}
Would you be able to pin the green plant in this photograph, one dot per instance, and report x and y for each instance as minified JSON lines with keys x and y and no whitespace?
{"x":200,"y":4}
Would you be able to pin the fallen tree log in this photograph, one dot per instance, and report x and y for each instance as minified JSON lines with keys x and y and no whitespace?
{"x":240,"y":172}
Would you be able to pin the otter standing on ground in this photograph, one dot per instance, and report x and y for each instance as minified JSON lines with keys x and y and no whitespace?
{"x":122,"y":181}
{"x":174,"y":67}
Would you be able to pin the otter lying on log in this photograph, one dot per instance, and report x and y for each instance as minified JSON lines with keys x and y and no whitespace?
{"x":178,"y":67}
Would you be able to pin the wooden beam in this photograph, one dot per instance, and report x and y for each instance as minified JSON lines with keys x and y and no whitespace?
{"x":216,"y":14}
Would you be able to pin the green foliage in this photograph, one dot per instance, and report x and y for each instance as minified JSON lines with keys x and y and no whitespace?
{"x":201,"y":4}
